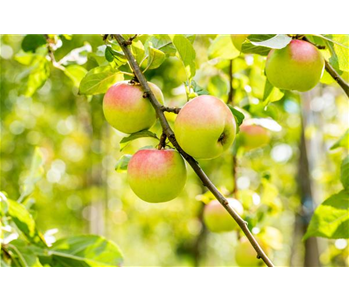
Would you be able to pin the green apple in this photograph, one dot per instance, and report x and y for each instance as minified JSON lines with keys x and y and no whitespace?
{"x":246,"y":255}
{"x":217,"y":219}
{"x":299,"y":66}
{"x":157,"y":175}
{"x":238,"y":39}
{"x":252,"y":136}
{"x":125,"y":108}
{"x":205,"y":127}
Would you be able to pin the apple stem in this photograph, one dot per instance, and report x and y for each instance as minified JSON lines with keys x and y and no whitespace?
{"x":192,"y":162}
{"x":162,"y":143}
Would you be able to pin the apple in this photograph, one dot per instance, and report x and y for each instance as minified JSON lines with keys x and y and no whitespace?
{"x":125,"y":108}
{"x":205,"y":127}
{"x":157,"y":175}
{"x":216,"y":217}
{"x":299,"y":66}
{"x":252,"y":136}
{"x":246,"y":255}
{"x":238,"y":39}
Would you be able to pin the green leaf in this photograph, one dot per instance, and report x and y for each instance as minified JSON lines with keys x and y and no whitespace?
{"x":248,"y":47}
{"x":161,"y":41}
{"x":32,"y":41}
{"x":136,"y":135}
{"x":278,"y":41}
{"x":25,"y":222}
{"x":77,"y":56}
{"x":271,"y":93}
{"x":138,"y":50}
{"x":345,"y":173}
{"x":109,"y":54}
{"x":86,"y":251}
{"x":239,"y":117}
{"x":198,"y":89}
{"x":331,"y":218}
{"x":99,"y":80}
{"x":155,"y":59}
{"x":186,"y":53}
{"x":122,"y":163}
{"x":342,"y":142}
{"x":36,"y":172}
{"x":36,"y":75}
{"x":25,"y":253}
{"x":223,"y":47}
{"x":76,"y":73}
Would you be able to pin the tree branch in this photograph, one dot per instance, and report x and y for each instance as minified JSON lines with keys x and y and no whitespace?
{"x":344,"y":85}
{"x":174,"y":110}
{"x":192,"y":162}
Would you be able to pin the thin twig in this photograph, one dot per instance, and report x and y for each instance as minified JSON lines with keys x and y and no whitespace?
{"x":174,"y":110}
{"x":192,"y":162}
{"x":51,"y":53}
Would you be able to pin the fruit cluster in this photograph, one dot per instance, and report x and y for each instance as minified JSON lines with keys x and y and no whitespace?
{"x":205,"y":127}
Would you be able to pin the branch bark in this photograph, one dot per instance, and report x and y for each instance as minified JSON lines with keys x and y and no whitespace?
{"x":192,"y":162}
{"x":337,"y":77}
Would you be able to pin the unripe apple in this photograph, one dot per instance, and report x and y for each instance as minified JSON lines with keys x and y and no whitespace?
{"x":125,"y":108}
{"x":298,"y":66}
{"x":238,"y":39}
{"x":252,"y":136}
{"x":246,"y":255}
{"x":157,"y":175}
{"x":216,"y":217}
{"x":205,"y":127}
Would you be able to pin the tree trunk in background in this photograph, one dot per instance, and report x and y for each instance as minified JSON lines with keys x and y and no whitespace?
{"x":95,"y":177}
{"x":311,"y":251}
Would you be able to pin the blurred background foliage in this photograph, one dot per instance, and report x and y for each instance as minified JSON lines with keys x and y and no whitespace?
{"x":81,"y":193}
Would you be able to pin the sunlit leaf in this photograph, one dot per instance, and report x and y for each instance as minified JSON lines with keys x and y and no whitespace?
{"x":99,"y":80}
{"x":137,"y":135}
{"x":76,"y":73}
{"x":186,"y":53}
{"x":25,"y":222}
{"x":77,"y":56}
{"x":342,"y":142}
{"x":345,"y":173}
{"x":138,"y":50}
{"x":239,"y":117}
{"x":25,"y":253}
{"x":86,"y":251}
{"x":155,"y":59}
{"x":222,"y":47}
{"x":36,"y":172}
{"x":278,"y":41}
{"x":122,"y":163}
{"x":248,"y":47}
{"x":331,"y":218}
{"x":35,"y":75}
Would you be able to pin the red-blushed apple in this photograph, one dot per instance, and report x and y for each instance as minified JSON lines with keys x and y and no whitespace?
{"x":205,"y":127}
{"x":125,"y":108}
{"x":299,"y":66}
{"x":157,"y":175}
{"x":252,"y":136}
{"x":246,"y":255}
{"x":216,"y":217}
{"x":238,"y":39}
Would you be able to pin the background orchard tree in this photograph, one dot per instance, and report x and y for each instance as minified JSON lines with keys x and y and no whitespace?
{"x":288,"y":155}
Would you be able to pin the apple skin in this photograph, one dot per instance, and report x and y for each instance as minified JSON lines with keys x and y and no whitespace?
{"x":299,"y":66}
{"x":238,"y":39}
{"x":246,"y":255}
{"x":205,"y":127}
{"x":252,"y":136}
{"x":125,"y":108}
{"x":217,"y":219}
{"x":157,"y":175}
